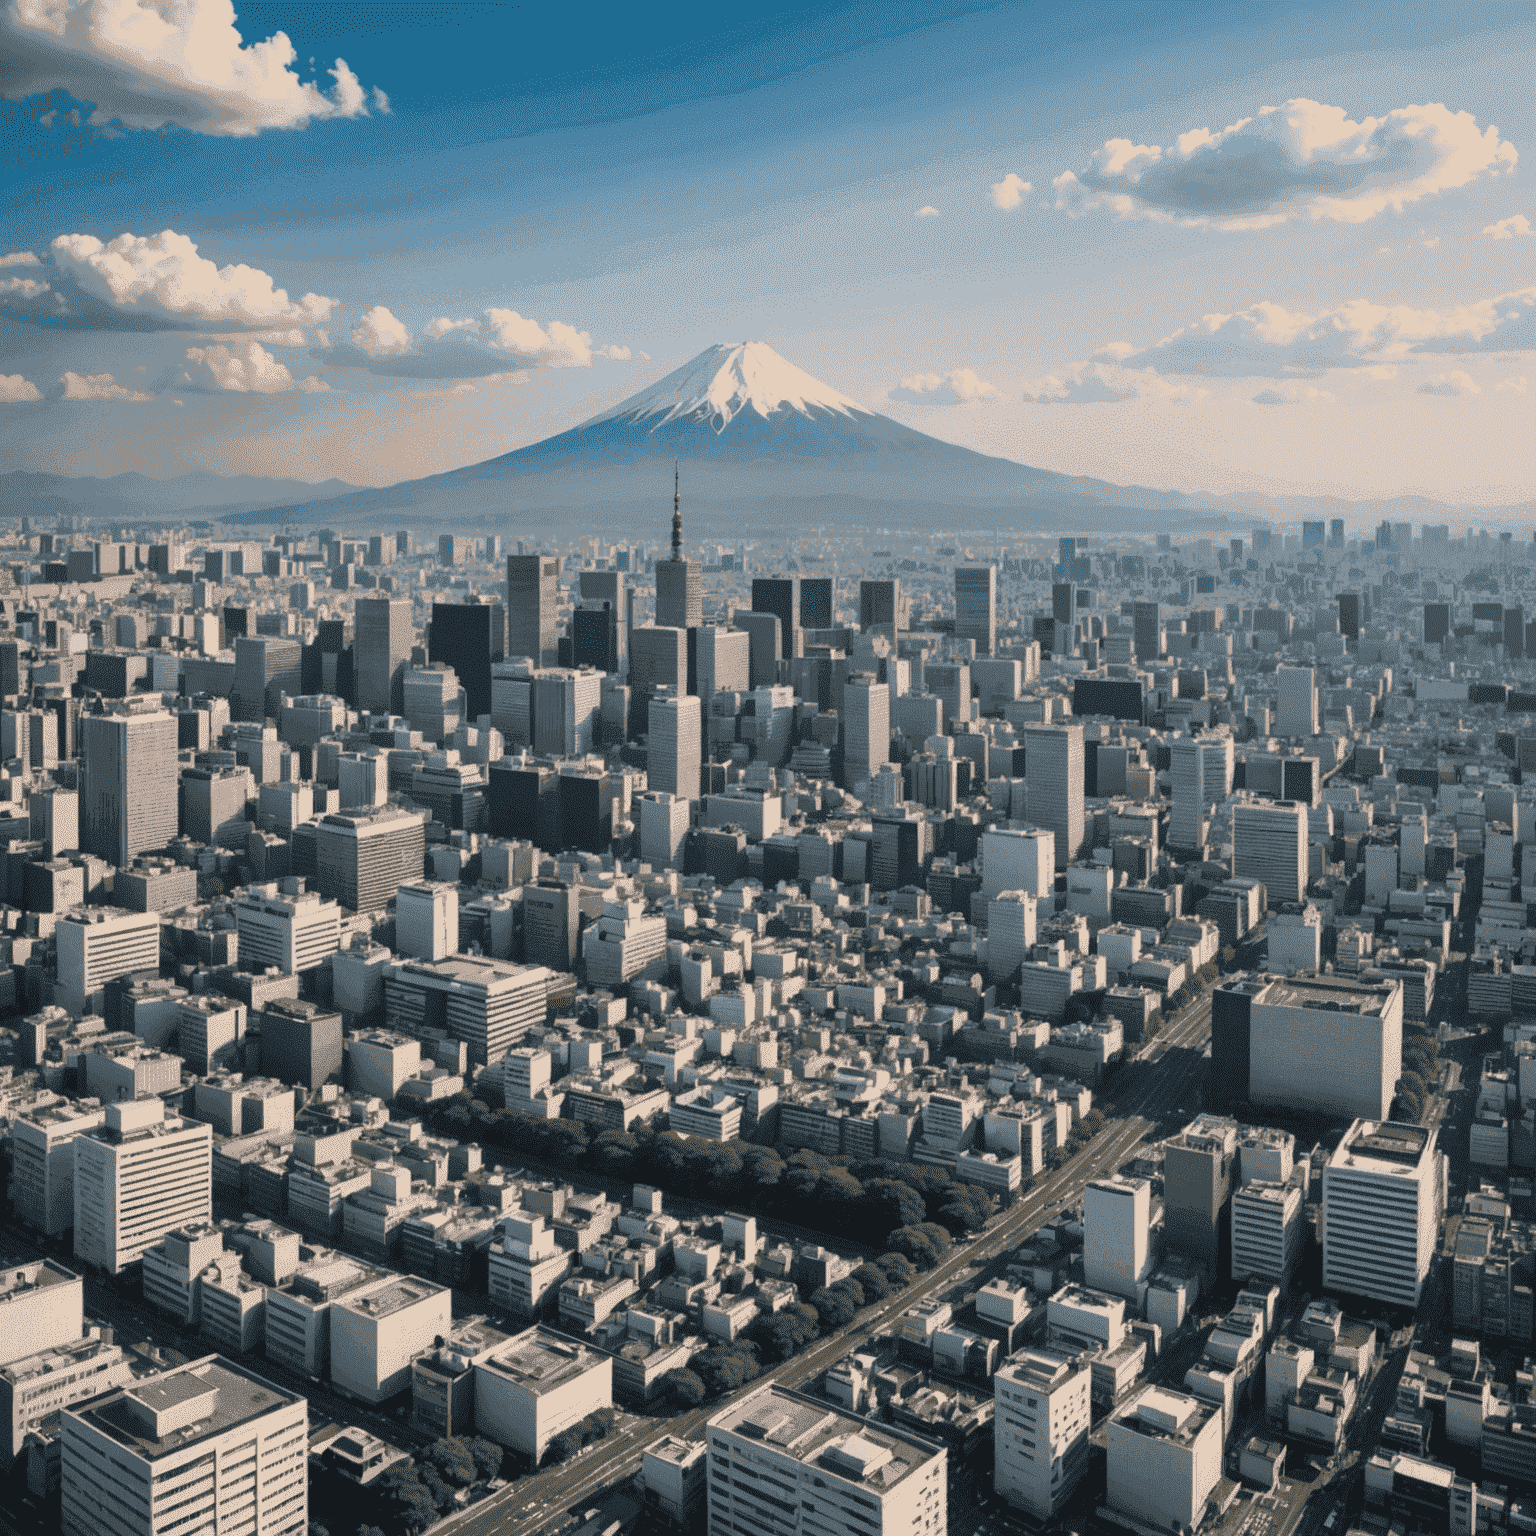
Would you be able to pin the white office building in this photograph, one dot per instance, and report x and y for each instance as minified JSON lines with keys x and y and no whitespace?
{"x":780,"y":1465}
{"x":138,"y":1176}
{"x":43,"y":1163}
{"x":427,"y":920}
{"x":1269,"y":844}
{"x":1295,"y":701}
{"x":1267,"y":1232}
{"x":1053,"y":775}
{"x":208,"y":1447}
{"x":536,"y":1386}
{"x":866,"y":728}
{"x":1012,"y":920}
{"x":1163,"y":1460}
{"x":1383,"y":1194}
{"x":1200,"y":773}
{"x":97,"y":945}
{"x":664,"y":820}
{"x":378,"y":1329}
{"x":1117,"y":1245}
{"x":674,"y":753}
{"x":1018,"y":859}
{"x":280,"y":924}
{"x":1041,"y":1428}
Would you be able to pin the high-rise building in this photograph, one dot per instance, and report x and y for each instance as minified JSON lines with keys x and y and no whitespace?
{"x":469,"y":637}
{"x":384,"y":632}
{"x":295,"y":930}
{"x":1040,"y":1430}
{"x":266,"y":666}
{"x":43,"y":1163}
{"x":1147,"y":628}
{"x":300,"y":1042}
{"x":551,"y":921}
{"x":679,"y":582}
{"x":1267,"y":1233}
{"x":1064,"y":603}
{"x":488,"y":1004}
{"x":1437,"y":622}
{"x":830,"y":1473}
{"x":533,"y":596}
{"x":363,"y":857}
{"x":674,"y":754}
{"x":1117,"y":1251}
{"x":780,"y":596}
{"x":1018,"y":859}
{"x":1201,"y":773}
{"x":1198,"y":1165}
{"x":764,"y":636}
{"x":129,"y":802}
{"x":1269,"y":844}
{"x":1295,"y":701}
{"x":976,"y":606}
{"x":866,"y":728}
{"x":724,"y":661}
{"x":95,"y":946}
{"x":880,"y":604}
{"x":208,"y":1446}
{"x":563,"y":709}
{"x":1053,"y":773}
{"x":1349,"y":615}
{"x":1163,"y":1458}
{"x":139,"y":1175}
{"x":658,"y":658}
{"x":1381,"y":1212}
{"x":1012,"y":919}
{"x":663,"y":821}
{"x":816,"y":602}
{"x":427,"y":919}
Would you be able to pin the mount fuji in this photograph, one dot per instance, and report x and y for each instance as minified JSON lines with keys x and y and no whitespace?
{"x":756,"y":436}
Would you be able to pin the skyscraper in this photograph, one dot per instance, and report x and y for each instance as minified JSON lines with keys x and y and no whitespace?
{"x":364,"y":856}
{"x":1053,"y":776}
{"x":780,"y":596}
{"x":129,"y":803}
{"x":724,"y":661}
{"x":675,"y":752}
{"x":468,"y":637}
{"x":1147,"y":622}
{"x":563,"y":709}
{"x":816,"y":602}
{"x":1437,"y":622}
{"x":679,"y":582}
{"x":880,"y":604}
{"x":383,"y":635}
{"x":1269,"y":843}
{"x":976,"y":606}
{"x":533,"y":591}
{"x":866,"y":727}
{"x":265,"y":666}
{"x":1296,"y":701}
{"x":1349,"y":615}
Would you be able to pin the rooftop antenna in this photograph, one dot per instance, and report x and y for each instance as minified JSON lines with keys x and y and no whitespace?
{"x":677,"y":513}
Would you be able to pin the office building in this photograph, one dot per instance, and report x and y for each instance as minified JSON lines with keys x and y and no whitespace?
{"x":780,"y":596}
{"x":1053,"y":773}
{"x":1198,"y":1166}
{"x":1327,"y":1045}
{"x":377,"y":1330}
{"x":533,"y":597}
{"x":537,"y":1385}
{"x":43,"y":1163}
{"x":96,"y":945}
{"x":1163,"y":1455}
{"x":1437,"y":622}
{"x":427,"y":920}
{"x":1201,"y":775}
{"x":1018,"y":859}
{"x":674,"y":755}
{"x":1269,"y":844}
{"x":1267,"y":1233}
{"x":208,"y":1446}
{"x":832,"y":1473}
{"x":1349,"y":615}
{"x":1296,"y":701}
{"x":384,"y":632}
{"x":1147,"y":629}
{"x":658,"y":658}
{"x":434,"y":702}
{"x":1012,"y":918}
{"x":363,"y":857}
{"x":551,"y":921}
{"x":469,"y":637}
{"x":880,"y":605}
{"x":1382,"y":1201}
{"x":816,"y":602}
{"x":663,"y":821}
{"x":300,"y":1042}
{"x":866,"y":728}
{"x":266,"y":667}
{"x":138,"y":1175}
{"x":1117,"y":1252}
{"x":976,"y":606}
{"x":488,"y":1004}
{"x":41,"y":1308}
{"x":295,"y":930}
{"x":1040,"y":1429}
{"x":129,"y":802}
{"x":724,"y":661}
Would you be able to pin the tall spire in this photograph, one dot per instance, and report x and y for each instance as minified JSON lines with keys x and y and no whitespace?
{"x":677,"y":513}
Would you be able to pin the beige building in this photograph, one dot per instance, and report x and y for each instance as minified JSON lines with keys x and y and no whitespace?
{"x":1163,"y":1457}
{"x":208,"y":1447}
{"x":378,"y":1330}
{"x":1041,"y":1427}
{"x":43,"y":1163}
{"x":537,"y":1385}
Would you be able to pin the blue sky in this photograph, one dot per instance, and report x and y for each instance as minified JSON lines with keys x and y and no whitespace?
{"x":584,"y":201}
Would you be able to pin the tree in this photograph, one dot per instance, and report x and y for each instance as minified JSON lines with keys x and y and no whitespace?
{"x":836,"y":1308}
{"x":454,"y":1460}
{"x":784,"y":1333}
{"x":873,"y":1282}
{"x":488,"y":1457}
{"x":913,"y":1244}
{"x":897,"y":1268}
{"x":897,"y":1203}
{"x":404,"y":1489}
{"x":686,"y":1387}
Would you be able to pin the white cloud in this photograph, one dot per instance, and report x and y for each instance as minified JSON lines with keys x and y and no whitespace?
{"x":1095,"y":383}
{"x":246,"y":368}
{"x":927,"y":211}
{"x":1269,"y":340}
{"x":179,"y":62}
{"x":1515,"y":386}
{"x":153,"y":283}
{"x":555,"y":345}
{"x":1508,"y":229}
{"x":14,"y":389}
{"x":619,"y":355}
{"x":443,"y":326}
{"x":381,"y":102}
{"x":1303,"y":160}
{"x":1454,"y":383}
{"x":472,"y":386}
{"x":97,"y":386}
{"x":960,"y":386}
{"x":1293,"y":394}
{"x":380,"y":334}
{"x":20,"y":259}
{"x":1010,"y":191}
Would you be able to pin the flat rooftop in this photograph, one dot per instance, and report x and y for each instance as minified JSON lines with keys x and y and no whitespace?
{"x":541,"y":1360}
{"x":1386,"y":1144}
{"x":22,"y":1278}
{"x":394,"y":1295}
{"x":1326,"y":994}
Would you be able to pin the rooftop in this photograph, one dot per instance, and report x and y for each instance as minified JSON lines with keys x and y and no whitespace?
{"x":541,"y":1360}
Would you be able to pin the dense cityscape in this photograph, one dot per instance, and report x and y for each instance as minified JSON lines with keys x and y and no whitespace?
{"x":864,"y":1034}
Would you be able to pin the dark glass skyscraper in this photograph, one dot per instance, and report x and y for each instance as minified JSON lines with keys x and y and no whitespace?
{"x":468,"y":637}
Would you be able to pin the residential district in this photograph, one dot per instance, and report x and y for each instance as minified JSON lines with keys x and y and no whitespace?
{"x":853,"y":1035}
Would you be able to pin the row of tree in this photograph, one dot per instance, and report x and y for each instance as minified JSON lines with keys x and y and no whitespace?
{"x":415,"y":1494}
{"x":1421,"y":1070}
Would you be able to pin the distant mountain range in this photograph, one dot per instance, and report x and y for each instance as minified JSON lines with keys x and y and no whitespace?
{"x":134,"y":497}
{"x":755,"y":438}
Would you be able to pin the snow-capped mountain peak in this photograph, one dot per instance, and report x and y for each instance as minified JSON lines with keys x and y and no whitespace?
{"x":726,"y":380}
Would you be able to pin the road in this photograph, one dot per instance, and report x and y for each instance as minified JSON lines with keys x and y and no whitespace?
{"x":1169,"y":1072}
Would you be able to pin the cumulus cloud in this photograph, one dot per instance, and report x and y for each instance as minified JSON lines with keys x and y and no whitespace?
{"x":1010,"y":191}
{"x":152,"y":283}
{"x":1293,"y":394}
{"x":927,"y":211}
{"x":443,"y":326}
{"x":97,"y":386}
{"x":960,"y":386}
{"x":380,"y":334}
{"x":21,"y":259}
{"x":1454,"y":383}
{"x":1100,"y":383}
{"x":180,"y":62}
{"x":1303,"y":160}
{"x":1515,"y":386}
{"x":246,"y":368}
{"x":15,"y":390}
{"x":1268,"y":340}
{"x":555,"y":345}
{"x":293,"y":337}
{"x":1508,"y":229}
{"x":472,"y":386}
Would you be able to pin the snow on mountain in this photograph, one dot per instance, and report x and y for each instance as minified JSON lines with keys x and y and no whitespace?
{"x":725,"y":380}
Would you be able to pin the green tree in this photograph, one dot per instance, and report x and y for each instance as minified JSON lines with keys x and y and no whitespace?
{"x":915,"y":1245}
{"x":686,"y":1387}
{"x":835,"y":1308}
{"x":488,"y":1457}
{"x":873,"y":1282}
{"x":897,"y":1268}
{"x":454,"y":1460}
